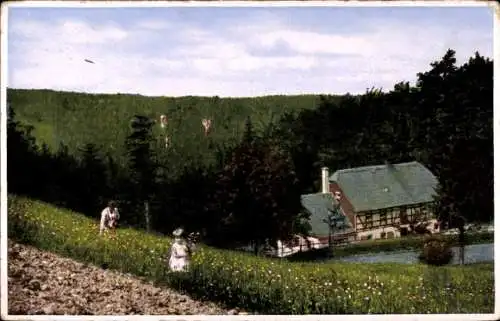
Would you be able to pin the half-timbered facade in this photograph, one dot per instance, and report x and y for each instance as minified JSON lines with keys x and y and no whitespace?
{"x":379,"y":200}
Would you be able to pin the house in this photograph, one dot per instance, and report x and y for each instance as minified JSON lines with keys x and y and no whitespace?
{"x":379,"y":199}
{"x":374,"y":202}
{"x":320,"y":206}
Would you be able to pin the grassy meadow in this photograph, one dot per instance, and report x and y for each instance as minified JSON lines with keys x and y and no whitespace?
{"x":257,"y":284}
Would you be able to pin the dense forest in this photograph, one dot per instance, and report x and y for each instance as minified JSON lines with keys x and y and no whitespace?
{"x":74,"y":119}
{"x":242,"y":181}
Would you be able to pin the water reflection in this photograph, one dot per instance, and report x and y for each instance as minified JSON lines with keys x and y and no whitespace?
{"x":473,"y":254}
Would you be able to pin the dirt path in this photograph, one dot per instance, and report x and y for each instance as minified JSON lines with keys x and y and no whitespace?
{"x":43,"y":283}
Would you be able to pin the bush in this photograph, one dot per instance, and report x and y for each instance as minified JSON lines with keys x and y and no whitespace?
{"x":267,"y":286}
{"x":436,"y":251}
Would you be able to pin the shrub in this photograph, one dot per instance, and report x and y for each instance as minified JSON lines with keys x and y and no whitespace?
{"x":436,"y":251}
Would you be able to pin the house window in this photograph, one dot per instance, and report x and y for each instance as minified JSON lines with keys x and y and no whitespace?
{"x":383,"y":218}
{"x":403,"y":217}
{"x":368,"y":221}
{"x":382,"y":235}
{"x":425,"y":213}
{"x":393,"y":217}
{"x":416,"y":214}
{"x":390,"y":235}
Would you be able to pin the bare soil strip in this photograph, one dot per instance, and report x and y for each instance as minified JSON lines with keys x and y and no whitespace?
{"x":44,"y":283}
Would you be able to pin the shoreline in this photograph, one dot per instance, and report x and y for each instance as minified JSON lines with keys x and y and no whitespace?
{"x":410,"y":243}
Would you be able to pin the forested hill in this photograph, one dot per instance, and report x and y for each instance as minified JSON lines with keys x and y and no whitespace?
{"x":75,"y":119}
{"x":444,"y":121}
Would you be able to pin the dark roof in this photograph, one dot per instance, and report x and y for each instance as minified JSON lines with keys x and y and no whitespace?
{"x":319,"y":206}
{"x":384,"y":186}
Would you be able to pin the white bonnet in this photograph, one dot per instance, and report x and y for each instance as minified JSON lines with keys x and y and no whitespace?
{"x":178,"y":232}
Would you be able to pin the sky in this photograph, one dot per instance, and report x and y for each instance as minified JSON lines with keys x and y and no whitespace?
{"x":238,"y":51}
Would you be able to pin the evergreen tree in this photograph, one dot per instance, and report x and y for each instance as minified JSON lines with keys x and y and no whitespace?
{"x":257,"y":196}
{"x":94,"y":181}
{"x":21,"y":156}
{"x":141,"y":167}
{"x":462,"y":135}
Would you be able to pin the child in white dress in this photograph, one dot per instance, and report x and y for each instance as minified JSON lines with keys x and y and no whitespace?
{"x":180,"y":253}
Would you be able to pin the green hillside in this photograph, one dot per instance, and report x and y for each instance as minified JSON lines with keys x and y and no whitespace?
{"x":267,"y":286}
{"x":75,"y":119}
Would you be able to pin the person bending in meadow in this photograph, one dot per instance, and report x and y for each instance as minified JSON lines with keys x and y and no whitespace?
{"x":192,"y":239}
{"x":180,"y":253}
{"x":109,"y":217}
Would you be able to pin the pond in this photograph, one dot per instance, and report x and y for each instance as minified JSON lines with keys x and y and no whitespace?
{"x":473,"y":254}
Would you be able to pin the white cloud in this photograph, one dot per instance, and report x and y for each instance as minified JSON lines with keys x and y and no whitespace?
{"x":154,"y":24}
{"x":313,"y":43}
{"x":160,"y":57}
{"x":210,"y":47}
{"x":86,"y":34}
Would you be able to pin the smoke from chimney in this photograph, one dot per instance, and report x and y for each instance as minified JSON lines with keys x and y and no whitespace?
{"x":325,"y":186}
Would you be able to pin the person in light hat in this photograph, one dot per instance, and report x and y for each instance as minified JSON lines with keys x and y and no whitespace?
{"x":179,"y":253}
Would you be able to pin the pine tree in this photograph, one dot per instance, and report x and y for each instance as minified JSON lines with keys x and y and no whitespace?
{"x":94,"y":181}
{"x":21,"y":156}
{"x":141,"y":167}
{"x":257,"y":196}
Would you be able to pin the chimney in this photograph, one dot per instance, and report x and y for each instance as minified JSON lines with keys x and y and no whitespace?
{"x":325,"y":183}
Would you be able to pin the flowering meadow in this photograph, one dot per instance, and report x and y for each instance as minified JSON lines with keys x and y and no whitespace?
{"x":266,"y":286}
